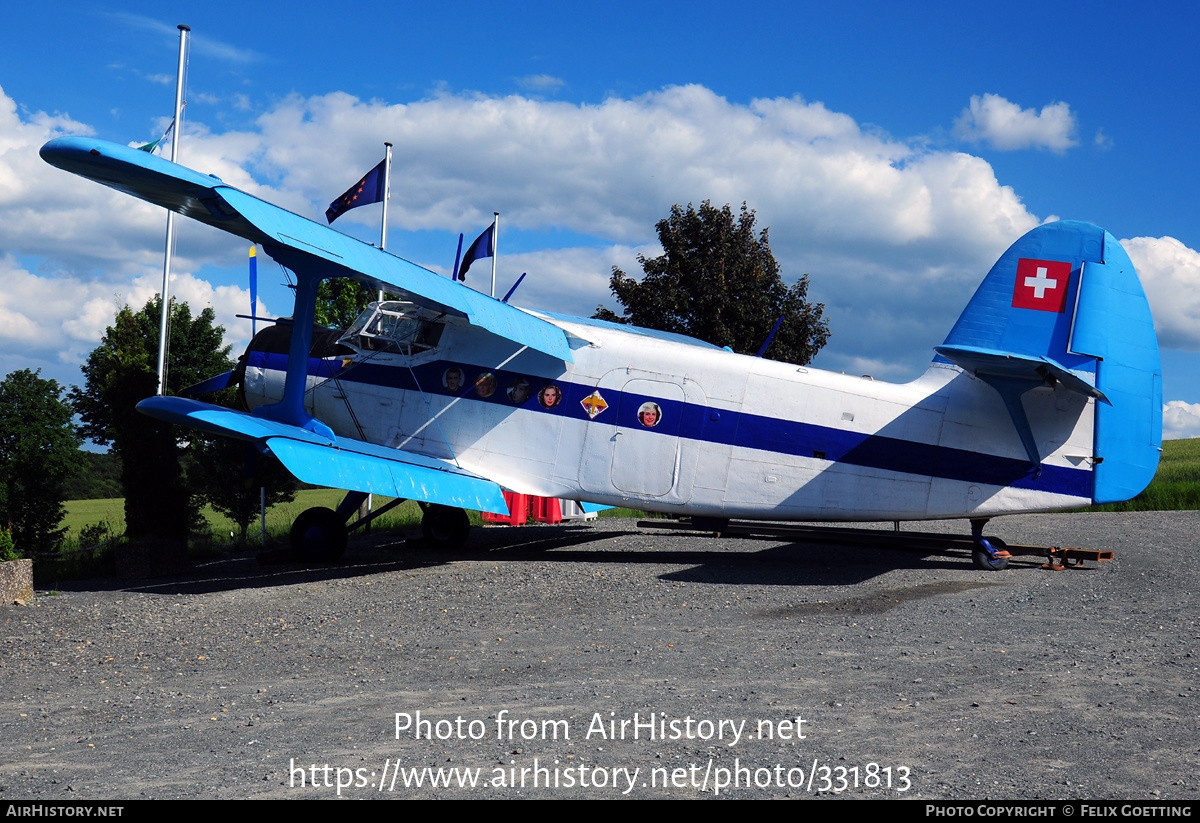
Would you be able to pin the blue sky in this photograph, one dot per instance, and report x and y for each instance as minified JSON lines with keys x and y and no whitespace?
{"x":894,"y":151}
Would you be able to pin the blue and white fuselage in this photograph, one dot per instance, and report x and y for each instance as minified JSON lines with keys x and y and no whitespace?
{"x":735,"y":436}
{"x":1046,"y":394}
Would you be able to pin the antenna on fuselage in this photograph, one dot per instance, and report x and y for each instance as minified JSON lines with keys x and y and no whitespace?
{"x":457,"y":258}
{"x":514,"y":287}
{"x":770,"y":337}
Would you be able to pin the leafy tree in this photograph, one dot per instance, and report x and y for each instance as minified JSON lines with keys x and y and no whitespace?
{"x":719,"y":282}
{"x":229,"y":474}
{"x":39,"y":450}
{"x":7,"y":550}
{"x":119,"y":373}
{"x":98,"y":476}
{"x":340,"y":300}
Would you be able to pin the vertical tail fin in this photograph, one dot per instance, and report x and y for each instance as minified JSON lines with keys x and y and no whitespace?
{"x":1064,"y":304}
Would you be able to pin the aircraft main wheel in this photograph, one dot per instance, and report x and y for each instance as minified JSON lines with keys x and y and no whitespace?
{"x":983,"y":558}
{"x":319,"y":534}
{"x":446,"y":527}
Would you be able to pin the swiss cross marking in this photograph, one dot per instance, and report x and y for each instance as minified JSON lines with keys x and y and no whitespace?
{"x":1042,"y":285}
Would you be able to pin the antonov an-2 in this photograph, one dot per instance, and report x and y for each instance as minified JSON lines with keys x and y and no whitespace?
{"x":1046,"y":394}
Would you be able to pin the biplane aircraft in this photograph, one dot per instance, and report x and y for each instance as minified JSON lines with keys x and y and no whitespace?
{"x":1046,"y":394}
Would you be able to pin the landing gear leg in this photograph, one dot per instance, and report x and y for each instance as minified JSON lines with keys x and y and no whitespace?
{"x":445,"y":527}
{"x":990,"y":553}
{"x":319,"y":534}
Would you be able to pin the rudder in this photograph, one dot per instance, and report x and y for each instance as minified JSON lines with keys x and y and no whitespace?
{"x":1064,"y":304}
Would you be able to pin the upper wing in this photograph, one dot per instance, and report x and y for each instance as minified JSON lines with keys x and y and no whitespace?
{"x":295,"y":240}
{"x":313,"y":251}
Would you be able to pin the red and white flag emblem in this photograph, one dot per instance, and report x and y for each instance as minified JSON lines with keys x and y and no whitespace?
{"x":1042,"y":285}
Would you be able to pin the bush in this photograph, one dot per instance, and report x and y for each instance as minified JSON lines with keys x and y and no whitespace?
{"x":7,"y":550}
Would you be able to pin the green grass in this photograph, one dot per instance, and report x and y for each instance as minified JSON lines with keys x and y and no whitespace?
{"x":81,"y":513}
{"x":73,"y":564}
{"x":1176,"y":484}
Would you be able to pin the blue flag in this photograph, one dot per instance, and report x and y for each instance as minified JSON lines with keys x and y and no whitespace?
{"x":363,"y":193}
{"x":484,"y":246}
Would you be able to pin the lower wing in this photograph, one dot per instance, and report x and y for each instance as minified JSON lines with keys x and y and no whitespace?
{"x":345,"y":464}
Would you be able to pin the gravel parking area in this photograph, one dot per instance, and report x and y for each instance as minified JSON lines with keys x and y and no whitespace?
{"x":604,"y":661}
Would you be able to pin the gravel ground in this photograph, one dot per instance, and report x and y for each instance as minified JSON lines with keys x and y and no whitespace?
{"x":251,"y":681}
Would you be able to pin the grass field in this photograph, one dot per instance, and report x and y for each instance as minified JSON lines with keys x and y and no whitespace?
{"x":1176,"y":486}
{"x":81,"y":513}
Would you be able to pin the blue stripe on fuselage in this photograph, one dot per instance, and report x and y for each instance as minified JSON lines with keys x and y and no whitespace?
{"x":720,"y":426}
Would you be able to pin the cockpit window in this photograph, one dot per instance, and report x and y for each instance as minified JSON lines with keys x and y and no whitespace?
{"x":396,"y":326}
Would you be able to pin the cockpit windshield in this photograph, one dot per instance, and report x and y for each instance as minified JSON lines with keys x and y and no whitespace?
{"x":396,"y":326}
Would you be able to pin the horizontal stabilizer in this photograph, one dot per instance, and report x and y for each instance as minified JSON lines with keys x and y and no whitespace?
{"x":347,"y":464}
{"x":1036,"y":370}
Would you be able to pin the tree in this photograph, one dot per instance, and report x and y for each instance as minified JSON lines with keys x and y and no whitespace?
{"x":718,"y":282}
{"x":340,"y":301}
{"x":229,"y":475}
{"x":39,"y":450}
{"x":98,"y":477}
{"x":119,"y":373}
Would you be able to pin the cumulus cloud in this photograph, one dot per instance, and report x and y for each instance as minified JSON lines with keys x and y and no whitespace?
{"x":1170,"y":274}
{"x":895,"y":236}
{"x":830,"y":192}
{"x":1006,"y":126}
{"x":55,"y":319}
{"x":1181,"y":420}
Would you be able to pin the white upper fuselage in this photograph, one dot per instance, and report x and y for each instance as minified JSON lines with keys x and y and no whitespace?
{"x":731,"y":435}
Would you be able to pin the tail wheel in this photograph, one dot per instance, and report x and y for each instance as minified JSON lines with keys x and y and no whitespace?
{"x":990,"y":554}
{"x":445,"y":526}
{"x":319,"y":534}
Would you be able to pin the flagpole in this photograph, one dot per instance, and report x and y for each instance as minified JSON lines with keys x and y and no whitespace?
{"x":495,"y":248}
{"x":166,"y":303}
{"x":387,"y":192}
{"x":387,"y":195}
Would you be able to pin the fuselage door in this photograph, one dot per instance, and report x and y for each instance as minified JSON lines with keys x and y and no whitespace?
{"x":645,"y":455}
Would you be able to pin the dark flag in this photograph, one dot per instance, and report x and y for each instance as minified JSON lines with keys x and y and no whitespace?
{"x":484,"y":246}
{"x":364,"y":192}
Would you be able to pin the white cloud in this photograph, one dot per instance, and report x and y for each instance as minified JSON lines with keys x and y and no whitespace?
{"x":57,"y":318}
{"x":541,"y":83}
{"x":613,"y":169}
{"x":1006,"y":126}
{"x":568,"y":281}
{"x":895,"y":236}
{"x":201,"y":45}
{"x":1181,"y":420}
{"x":1170,"y":274}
